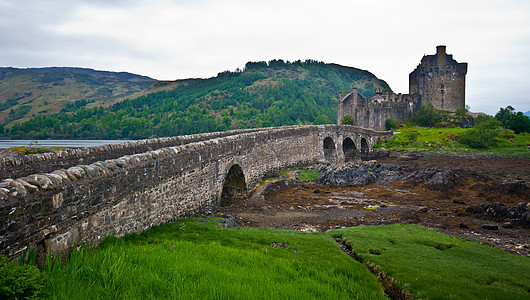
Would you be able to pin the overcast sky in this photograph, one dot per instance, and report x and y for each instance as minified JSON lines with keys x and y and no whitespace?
{"x":180,"y":39}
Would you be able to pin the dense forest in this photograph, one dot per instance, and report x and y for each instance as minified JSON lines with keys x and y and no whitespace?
{"x":263,"y":94}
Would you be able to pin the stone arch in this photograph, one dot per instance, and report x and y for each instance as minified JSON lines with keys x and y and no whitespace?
{"x":329,"y":149}
{"x":364,"y":146}
{"x":234,"y":187}
{"x":349,"y":149}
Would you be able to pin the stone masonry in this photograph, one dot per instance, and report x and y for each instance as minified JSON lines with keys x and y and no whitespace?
{"x":55,"y":210}
{"x":438,"y":80}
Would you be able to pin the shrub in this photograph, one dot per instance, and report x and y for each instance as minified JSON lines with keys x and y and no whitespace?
{"x":482,"y":119}
{"x":347,"y":120}
{"x":18,"y":280}
{"x":391,"y":124}
{"x":410,"y":136}
{"x":461,"y":112}
{"x":484,"y":135}
{"x":427,"y":115}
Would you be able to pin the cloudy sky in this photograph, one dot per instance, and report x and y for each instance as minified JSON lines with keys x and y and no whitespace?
{"x":179,"y":39}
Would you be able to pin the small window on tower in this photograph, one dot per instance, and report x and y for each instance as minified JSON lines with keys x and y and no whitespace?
{"x":442,"y":88}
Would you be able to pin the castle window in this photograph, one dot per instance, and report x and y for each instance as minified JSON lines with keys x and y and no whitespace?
{"x":442,"y":88}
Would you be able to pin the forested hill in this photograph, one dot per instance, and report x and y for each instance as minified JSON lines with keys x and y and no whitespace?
{"x":264,"y":94}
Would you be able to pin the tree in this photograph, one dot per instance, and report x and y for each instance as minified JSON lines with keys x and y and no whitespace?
{"x":391,"y":124}
{"x":517,"y":122}
{"x":322,"y":119}
{"x":427,"y":115}
{"x":347,"y":120}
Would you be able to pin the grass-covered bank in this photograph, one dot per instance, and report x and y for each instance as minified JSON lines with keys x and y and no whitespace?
{"x":446,"y":140}
{"x":432,"y":265}
{"x":198,"y":259}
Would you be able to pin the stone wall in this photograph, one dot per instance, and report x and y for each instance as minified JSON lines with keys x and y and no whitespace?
{"x":439,"y":80}
{"x":14,"y":167}
{"x":82,"y":204}
{"x":373,"y":112}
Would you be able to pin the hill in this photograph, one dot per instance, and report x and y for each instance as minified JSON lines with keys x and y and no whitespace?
{"x":264,"y":94}
{"x":36,"y":91}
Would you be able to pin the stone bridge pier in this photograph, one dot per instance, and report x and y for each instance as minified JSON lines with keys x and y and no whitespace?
{"x":54,"y":209}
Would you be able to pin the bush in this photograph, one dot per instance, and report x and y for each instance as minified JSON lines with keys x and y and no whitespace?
{"x":391,"y":124}
{"x":410,"y":136}
{"x":18,"y":280}
{"x":461,"y":112}
{"x":427,"y":115}
{"x":482,"y":119}
{"x":347,"y":120}
{"x":484,"y":135}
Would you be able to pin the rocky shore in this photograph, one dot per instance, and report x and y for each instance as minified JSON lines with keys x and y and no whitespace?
{"x":483,"y":199}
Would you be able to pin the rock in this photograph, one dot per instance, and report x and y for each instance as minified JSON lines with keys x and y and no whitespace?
{"x":357,"y":173}
{"x":498,"y":211}
{"x":441,"y":180}
{"x":410,"y":216}
{"x":525,"y":219}
{"x":463,"y":225}
{"x":508,"y":225}
{"x":423,"y":209}
{"x":42,"y":181}
{"x":489,"y":227}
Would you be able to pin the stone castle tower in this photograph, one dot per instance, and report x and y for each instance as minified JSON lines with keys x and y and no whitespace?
{"x":438,"y":79}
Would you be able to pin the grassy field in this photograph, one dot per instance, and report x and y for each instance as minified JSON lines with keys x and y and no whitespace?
{"x":432,"y":265}
{"x":415,"y":138}
{"x":198,"y":259}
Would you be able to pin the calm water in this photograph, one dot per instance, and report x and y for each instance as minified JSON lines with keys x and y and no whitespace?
{"x":4,"y":144}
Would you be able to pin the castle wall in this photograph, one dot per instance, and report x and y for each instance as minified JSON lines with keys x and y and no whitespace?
{"x":64,"y":208}
{"x":374,"y":111}
{"x":439,"y":80}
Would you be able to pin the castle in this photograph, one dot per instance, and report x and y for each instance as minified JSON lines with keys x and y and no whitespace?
{"x":438,"y":79}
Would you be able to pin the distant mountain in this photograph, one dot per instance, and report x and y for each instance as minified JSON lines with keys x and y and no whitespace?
{"x":263,"y":94}
{"x":36,"y":91}
{"x":527,"y":113}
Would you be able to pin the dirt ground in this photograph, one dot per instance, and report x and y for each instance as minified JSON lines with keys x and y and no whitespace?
{"x":314,"y":207}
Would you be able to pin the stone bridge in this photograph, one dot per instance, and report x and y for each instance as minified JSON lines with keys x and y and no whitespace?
{"x":55,"y":201}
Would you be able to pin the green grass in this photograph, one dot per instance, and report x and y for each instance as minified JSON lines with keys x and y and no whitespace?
{"x":416,"y":138}
{"x":301,"y":175}
{"x":432,"y":265}
{"x":307,"y":175}
{"x":198,"y":259}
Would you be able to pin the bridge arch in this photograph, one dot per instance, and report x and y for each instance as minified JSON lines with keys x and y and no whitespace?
{"x":329,"y":149}
{"x":349,"y":149}
{"x":365,"y":148}
{"x":234,"y":186}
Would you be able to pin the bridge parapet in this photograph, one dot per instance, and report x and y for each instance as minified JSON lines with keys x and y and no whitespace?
{"x":62,"y":208}
{"x":14,"y":167}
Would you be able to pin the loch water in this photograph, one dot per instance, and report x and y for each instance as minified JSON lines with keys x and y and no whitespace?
{"x":5,"y":144}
